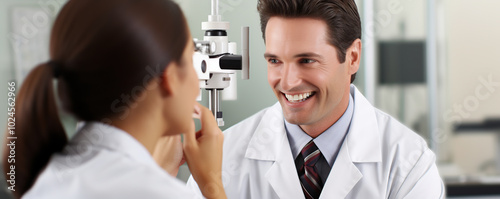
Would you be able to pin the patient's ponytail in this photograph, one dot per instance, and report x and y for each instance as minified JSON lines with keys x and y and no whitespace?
{"x":38,"y":129}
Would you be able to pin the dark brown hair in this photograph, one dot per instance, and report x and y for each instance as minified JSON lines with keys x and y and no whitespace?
{"x":341,"y":17}
{"x":100,"y":50}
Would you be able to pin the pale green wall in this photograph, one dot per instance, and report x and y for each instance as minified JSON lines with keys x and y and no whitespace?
{"x":6,"y":74}
{"x":7,"y":71}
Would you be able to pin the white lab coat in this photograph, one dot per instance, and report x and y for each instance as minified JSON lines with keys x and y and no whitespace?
{"x":380,"y":158}
{"x":102,"y":161}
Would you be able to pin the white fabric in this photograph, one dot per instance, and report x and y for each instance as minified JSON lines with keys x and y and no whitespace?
{"x":380,"y":158}
{"x":105,"y":162}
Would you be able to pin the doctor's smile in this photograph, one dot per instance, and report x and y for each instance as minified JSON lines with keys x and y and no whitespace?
{"x":298,"y":101}
{"x":298,"y":97}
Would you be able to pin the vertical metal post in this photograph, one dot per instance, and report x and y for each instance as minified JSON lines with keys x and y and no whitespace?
{"x":213,"y":100}
{"x":431,"y":73}
{"x":215,"y":7}
{"x":245,"y":53}
{"x":369,"y":50}
{"x":214,"y":105}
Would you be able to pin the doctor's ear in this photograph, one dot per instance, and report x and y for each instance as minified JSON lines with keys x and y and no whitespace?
{"x":354,"y":56}
{"x":169,"y":81}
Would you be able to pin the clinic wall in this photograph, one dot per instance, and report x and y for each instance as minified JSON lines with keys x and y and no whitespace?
{"x":7,"y":63}
{"x":6,"y":66}
{"x":473,"y":58}
{"x":401,"y":20}
{"x":468,"y":47}
{"x":473,"y":47}
{"x":471,"y":43}
{"x":6,"y":73}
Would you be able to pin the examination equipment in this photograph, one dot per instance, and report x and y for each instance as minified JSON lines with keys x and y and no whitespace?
{"x":216,"y":61}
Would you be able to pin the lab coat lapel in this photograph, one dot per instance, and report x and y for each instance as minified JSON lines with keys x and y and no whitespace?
{"x":363,"y":139}
{"x":343,"y":176}
{"x":283,"y":175}
{"x":361,"y":145}
{"x":270,"y":143}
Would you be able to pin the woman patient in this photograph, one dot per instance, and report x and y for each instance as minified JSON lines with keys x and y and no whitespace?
{"x":125,"y":68}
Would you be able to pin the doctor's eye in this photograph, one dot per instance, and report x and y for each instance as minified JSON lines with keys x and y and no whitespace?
{"x":273,"y":61}
{"x":307,"y":61}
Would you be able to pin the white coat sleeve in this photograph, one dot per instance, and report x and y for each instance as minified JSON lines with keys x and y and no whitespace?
{"x":423,"y":181}
{"x":193,"y":186}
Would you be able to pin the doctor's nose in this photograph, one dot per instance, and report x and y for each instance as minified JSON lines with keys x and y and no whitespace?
{"x":290,"y":77}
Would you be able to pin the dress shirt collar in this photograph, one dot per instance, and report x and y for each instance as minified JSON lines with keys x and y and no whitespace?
{"x":328,"y":142}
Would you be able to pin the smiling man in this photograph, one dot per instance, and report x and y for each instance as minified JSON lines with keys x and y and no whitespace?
{"x":323,"y":139}
{"x":310,"y":82}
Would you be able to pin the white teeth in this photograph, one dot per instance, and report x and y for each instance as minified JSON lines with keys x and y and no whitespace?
{"x":298,"y":98}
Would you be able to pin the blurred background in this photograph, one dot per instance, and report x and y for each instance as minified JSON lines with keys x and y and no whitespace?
{"x":432,"y":64}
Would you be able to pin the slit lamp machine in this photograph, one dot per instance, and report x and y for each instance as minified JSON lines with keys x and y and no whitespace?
{"x":216,"y":61}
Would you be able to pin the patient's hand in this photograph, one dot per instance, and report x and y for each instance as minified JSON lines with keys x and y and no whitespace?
{"x":168,"y":154}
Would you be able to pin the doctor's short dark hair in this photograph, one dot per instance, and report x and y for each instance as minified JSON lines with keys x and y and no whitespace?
{"x":341,"y":17}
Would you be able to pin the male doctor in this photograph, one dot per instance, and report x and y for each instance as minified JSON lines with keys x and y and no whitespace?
{"x":323,"y":139}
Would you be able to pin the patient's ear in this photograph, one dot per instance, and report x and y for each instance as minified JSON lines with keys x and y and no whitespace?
{"x":170,"y":79}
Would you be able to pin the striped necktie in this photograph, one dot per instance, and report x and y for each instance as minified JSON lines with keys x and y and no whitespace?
{"x":309,"y":178}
